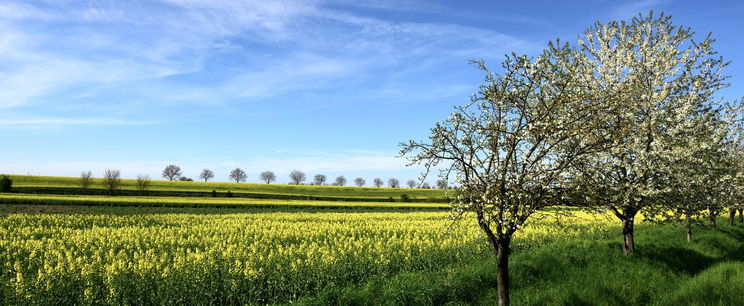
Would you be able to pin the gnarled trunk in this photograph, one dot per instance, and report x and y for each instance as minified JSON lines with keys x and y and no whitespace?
{"x":713,"y":223}
{"x":502,"y":270}
{"x":741,"y":215}
{"x":628,"y":242}
{"x":688,"y":224}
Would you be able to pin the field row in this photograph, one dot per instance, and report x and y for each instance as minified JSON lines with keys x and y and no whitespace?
{"x":278,"y":190}
{"x":143,"y":201}
{"x":255,"y":258}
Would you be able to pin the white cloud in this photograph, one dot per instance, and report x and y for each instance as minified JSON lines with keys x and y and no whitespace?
{"x":139,"y":47}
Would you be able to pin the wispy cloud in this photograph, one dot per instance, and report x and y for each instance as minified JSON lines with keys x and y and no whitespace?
{"x":181,"y":37}
{"x":46,"y":123}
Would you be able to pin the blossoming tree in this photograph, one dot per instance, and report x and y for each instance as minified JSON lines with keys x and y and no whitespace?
{"x":511,"y":148}
{"x":661,"y":81}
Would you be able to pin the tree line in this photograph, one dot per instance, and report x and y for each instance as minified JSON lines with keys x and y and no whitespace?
{"x":112,"y":179}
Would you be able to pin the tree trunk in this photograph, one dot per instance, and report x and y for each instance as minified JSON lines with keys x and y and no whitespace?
{"x":732,"y":214}
{"x":502,"y":270}
{"x":688,"y":224}
{"x":713,"y":223}
{"x":628,"y":242}
{"x":741,"y":215}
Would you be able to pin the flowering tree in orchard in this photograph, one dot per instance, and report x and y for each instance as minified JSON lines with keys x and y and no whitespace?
{"x":661,"y":82}
{"x":699,"y":188}
{"x":511,"y":148}
{"x":735,"y":185}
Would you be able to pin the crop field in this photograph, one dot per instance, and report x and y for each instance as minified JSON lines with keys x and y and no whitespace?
{"x":46,"y":184}
{"x":254,"y":258}
{"x":132,"y":249}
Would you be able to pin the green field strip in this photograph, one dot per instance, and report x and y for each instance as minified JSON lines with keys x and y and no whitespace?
{"x":144,"y":201}
{"x":267,"y":190}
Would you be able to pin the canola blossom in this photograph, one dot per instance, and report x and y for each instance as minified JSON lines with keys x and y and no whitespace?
{"x":241,"y":258}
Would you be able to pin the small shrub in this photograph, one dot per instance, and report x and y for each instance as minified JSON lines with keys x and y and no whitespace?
{"x":229,"y":194}
{"x":111,"y":180}
{"x":405,"y":198}
{"x":185,"y":179}
{"x":86,"y":178}
{"x":5,"y":183}
{"x":214,"y":193}
{"x":143,"y":182}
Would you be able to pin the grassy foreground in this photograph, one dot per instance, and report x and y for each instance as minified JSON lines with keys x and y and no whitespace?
{"x":666,"y":270}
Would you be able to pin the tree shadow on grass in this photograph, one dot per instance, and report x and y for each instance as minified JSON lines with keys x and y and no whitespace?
{"x":678,"y":259}
{"x":737,"y":233}
{"x":735,"y":255}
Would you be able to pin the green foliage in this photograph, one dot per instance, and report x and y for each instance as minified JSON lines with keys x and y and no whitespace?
{"x":6,"y":183}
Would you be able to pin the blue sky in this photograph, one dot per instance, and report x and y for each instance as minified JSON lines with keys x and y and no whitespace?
{"x":326,"y":87}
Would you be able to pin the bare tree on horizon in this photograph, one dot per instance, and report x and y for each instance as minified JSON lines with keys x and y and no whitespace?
{"x":319,"y":179}
{"x":143,"y":182}
{"x":411,"y":183}
{"x":238,"y":175}
{"x":267,"y":176}
{"x":393,"y":183}
{"x":340,"y":181}
{"x":111,"y":180}
{"x":297,"y":177}
{"x":377,"y":182}
{"x":86,"y":178}
{"x":206,"y":174}
{"x":172,"y":172}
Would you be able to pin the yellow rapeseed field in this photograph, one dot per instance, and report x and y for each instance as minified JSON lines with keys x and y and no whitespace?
{"x":254,"y":258}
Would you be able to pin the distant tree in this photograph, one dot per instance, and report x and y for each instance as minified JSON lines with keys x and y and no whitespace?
{"x":111,"y":180}
{"x":411,"y":183}
{"x":442,"y":184}
{"x":297,"y":177}
{"x":238,"y":175}
{"x":359,"y":181}
{"x":425,"y":185}
{"x":185,"y":179}
{"x":86,"y":178}
{"x":319,"y":179}
{"x":377,"y":182}
{"x":143,"y":182}
{"x":267,"y":176}
{"x":172,"y":172}
{"x":340,"y":181}
{"x":6,"y":183}
{"x":393,"y":183}
{"x":206,"y":174}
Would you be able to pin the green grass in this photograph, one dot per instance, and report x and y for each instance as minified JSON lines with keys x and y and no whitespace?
{"x":160,"y":201}
{"x":666,"y":270}
{"x":51,"y":184}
